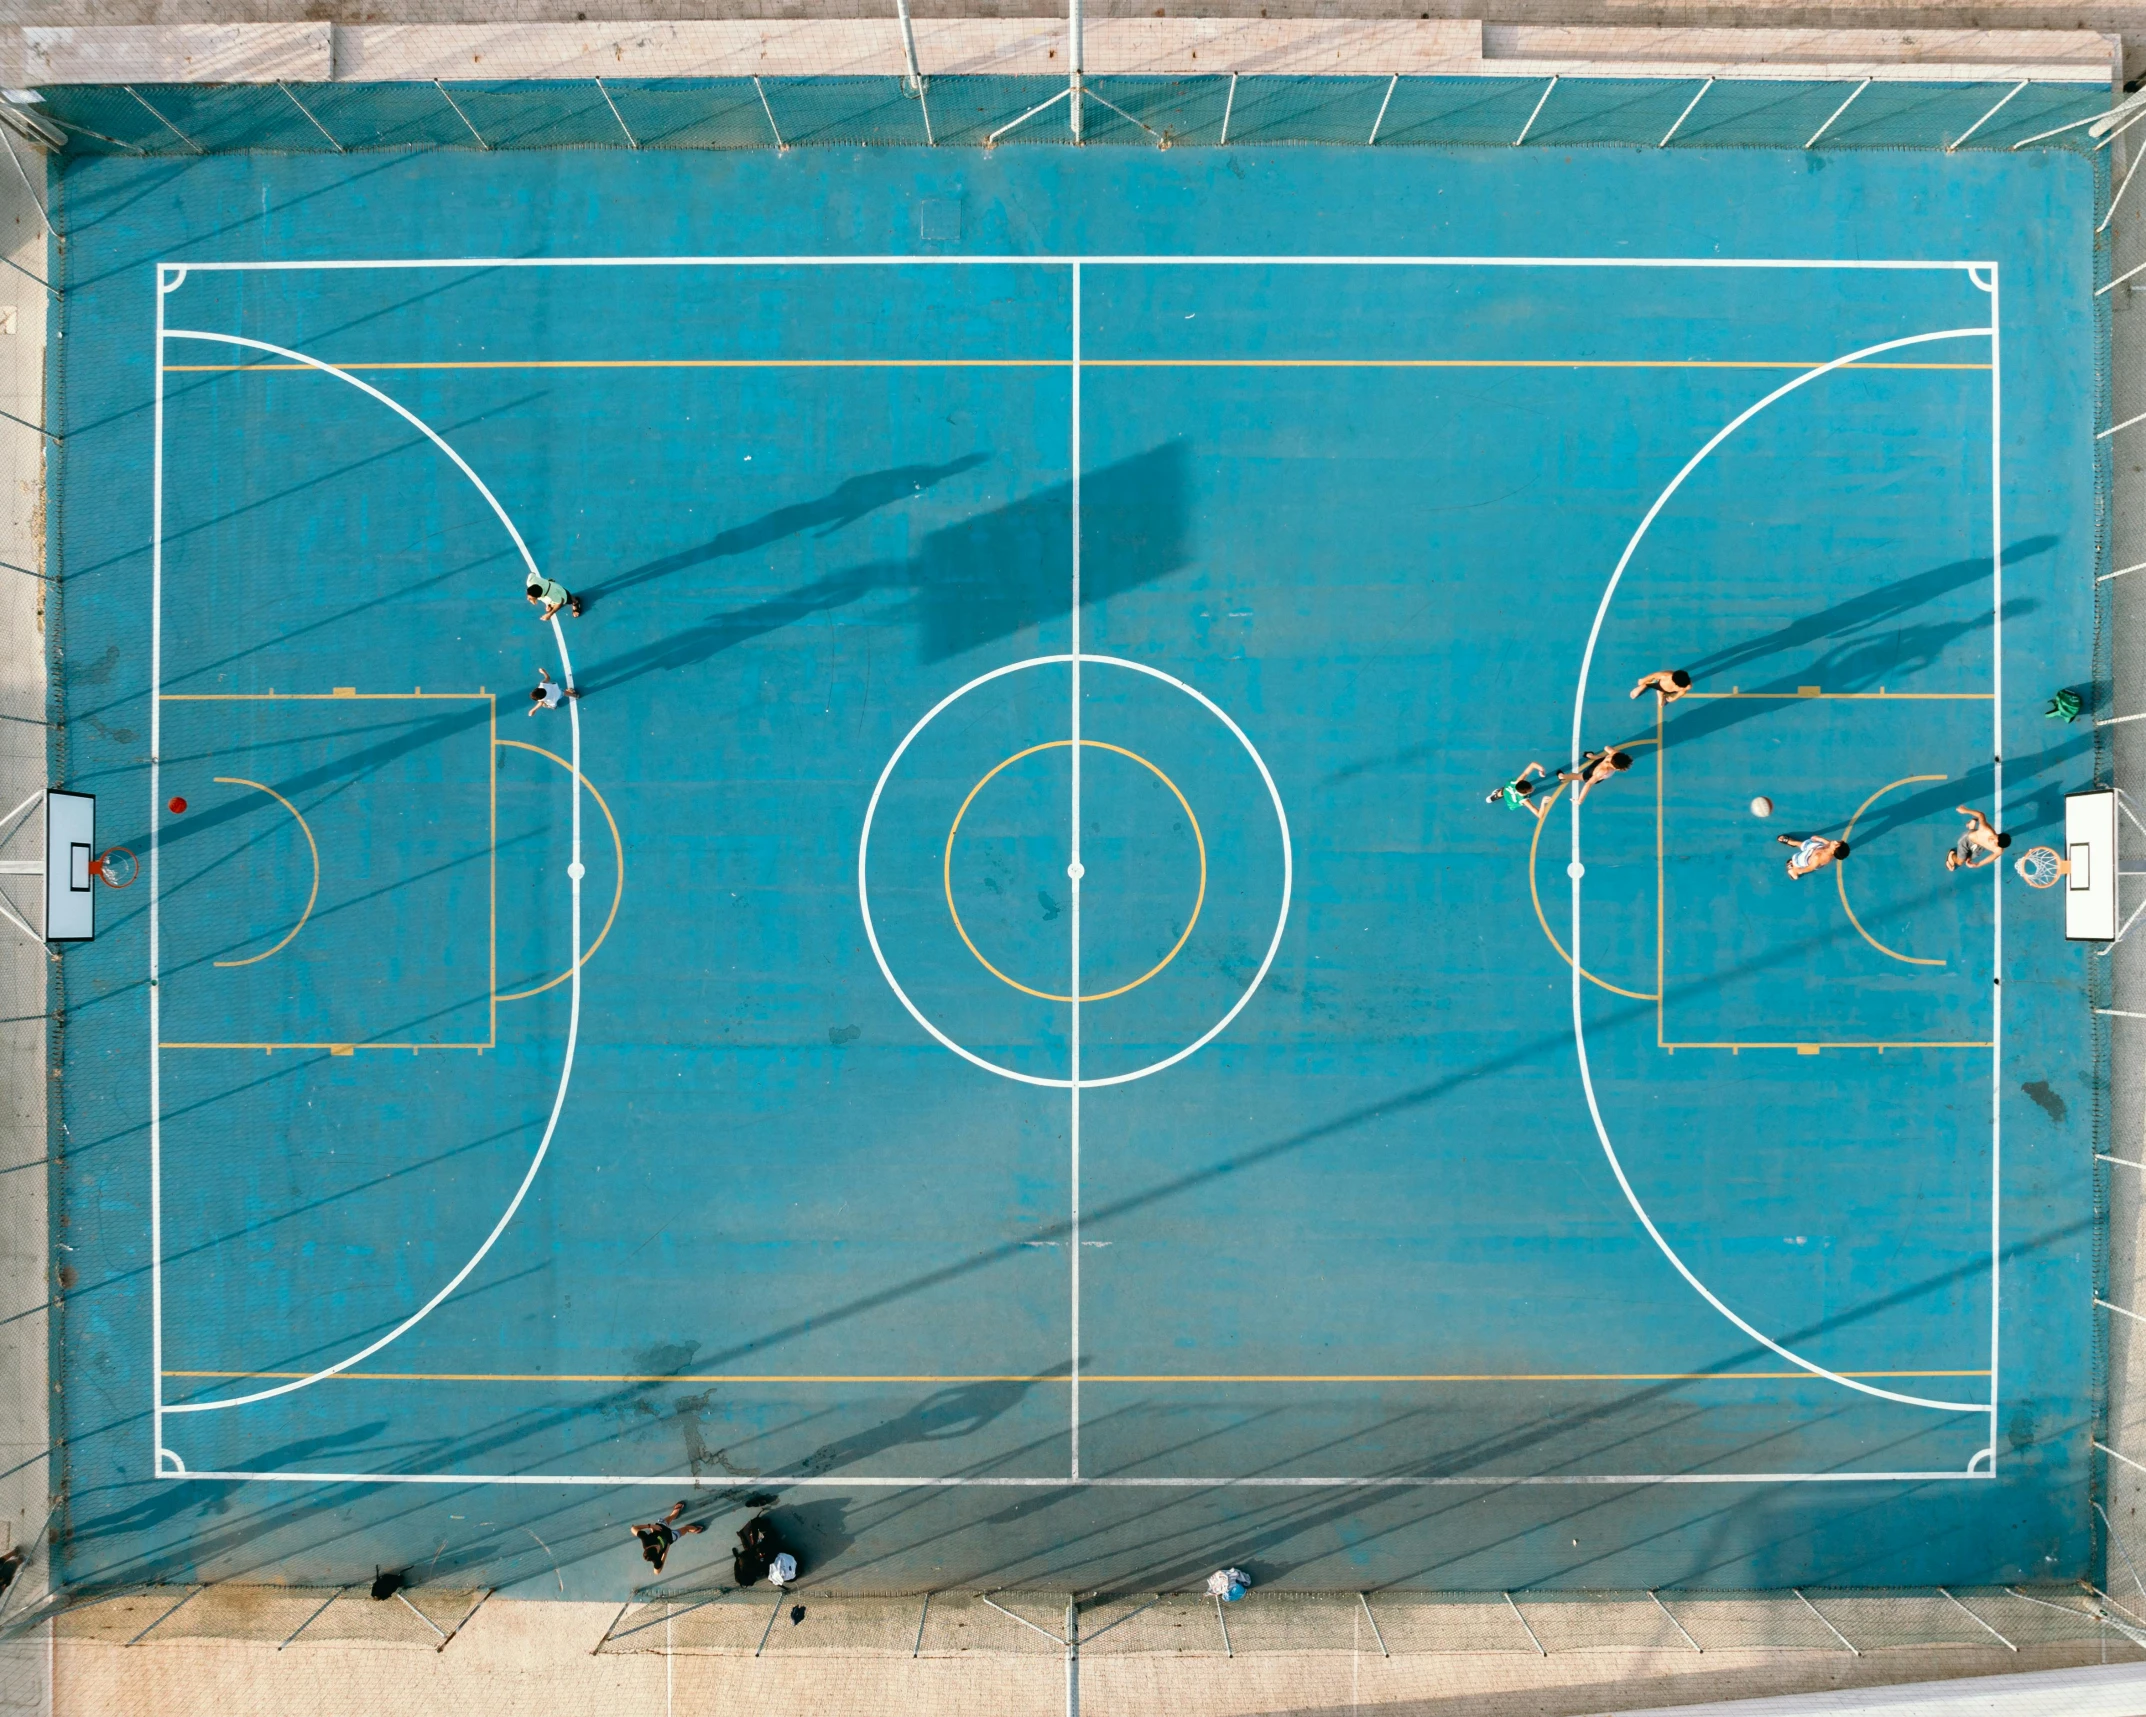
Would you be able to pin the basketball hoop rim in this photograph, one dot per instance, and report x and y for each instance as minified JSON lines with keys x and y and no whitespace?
{"x":97,"y":867}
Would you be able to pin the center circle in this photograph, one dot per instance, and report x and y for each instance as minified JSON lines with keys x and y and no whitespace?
{"x":1075,"y":870}
{"x":1079,"y":1080}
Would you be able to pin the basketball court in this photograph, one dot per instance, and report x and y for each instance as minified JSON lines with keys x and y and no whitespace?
{"x":1002,"y":1013}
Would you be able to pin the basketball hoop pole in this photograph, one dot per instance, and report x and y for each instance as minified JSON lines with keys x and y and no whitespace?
{"x":2117,"y":871}
{"x":8,"y":912}
{"x":21,"y":867}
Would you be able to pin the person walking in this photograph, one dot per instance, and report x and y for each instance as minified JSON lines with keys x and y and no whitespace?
{"x":548,"y":693}
{"x":1516,"y":794}
{"x":1978,"y":845}
{"x":1813,"y":853}
{"x":1667,"y":684}
{"x":549,"y":595}
{"x":1595,"y":766}
{"x":657,"y":1536}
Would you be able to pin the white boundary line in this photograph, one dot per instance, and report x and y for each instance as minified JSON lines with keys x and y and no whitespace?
{"x":826,"y":1481}
{"x":574,"y":875}
{"x":1042,"y":260}
{"x":926,"y":1482}
{"x":1576,"y":870}
{"x":1997,"y":804}
{"x":156,"y":829}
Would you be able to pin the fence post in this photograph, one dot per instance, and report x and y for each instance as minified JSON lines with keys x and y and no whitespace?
{"x":161,"y":120}
{"x":459,"y":114}
{"x":23,"y":173}
{"x":1686,"y":114}
{"x":191,"y":1594}
{"x":1537,"y":113}
{"x":1393,"y":84}
{"x":770,"y":112}
{"x":310,"y":114}
{"x":313,"y":1617}
{"x":615,"y":114}
{"x":1837,"y":112}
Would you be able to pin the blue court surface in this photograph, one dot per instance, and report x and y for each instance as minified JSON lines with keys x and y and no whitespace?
{"x":1002,"y":1018}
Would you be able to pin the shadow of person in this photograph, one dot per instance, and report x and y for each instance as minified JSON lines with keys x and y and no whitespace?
{"x":947,"y":1415}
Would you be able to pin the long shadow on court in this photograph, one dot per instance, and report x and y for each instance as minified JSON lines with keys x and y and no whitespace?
{"x":1861,"y":617}
{"x":1870,"y":644}
{"x":849,"y":501}
{"x":975,"y":582}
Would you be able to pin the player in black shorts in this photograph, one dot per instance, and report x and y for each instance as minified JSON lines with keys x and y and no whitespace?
{"x":657,"y":1536}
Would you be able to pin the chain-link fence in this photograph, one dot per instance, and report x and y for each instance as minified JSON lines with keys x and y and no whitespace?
{"x":848,"y":112}
{"x":1990,"y":1627}
{"x":2002,"y":1621}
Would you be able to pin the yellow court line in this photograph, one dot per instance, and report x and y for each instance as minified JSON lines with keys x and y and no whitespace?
{"x":312,"y":847}
{"x":660,"y":364}
{"x":618,"y":887}
{"x":491,"y":1024}
{"x":1059,"y":1377}
{"x":273,"y":696}
{"x":1840,"y":873}
{"x":1199,"y":900}
{"x":1535,"y":895}
{"x":338,"y":1048}
{"x":1814,"y":1048}
{"x":1490,"y":364}
{"x":1661,"y":980}
{"x":1066,"y":363}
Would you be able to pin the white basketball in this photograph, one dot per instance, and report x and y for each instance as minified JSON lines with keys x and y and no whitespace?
{"x":1762,"y":806}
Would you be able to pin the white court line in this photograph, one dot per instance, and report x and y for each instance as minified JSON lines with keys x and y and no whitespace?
{"x":1281,"y":917}
{"x":1075,"y":875}
{"x":156,"y":800}
{"x":1576,"y":870}
{"x":1045,"y":260}
{"x":574,"y":874}
{"x":1856,"y":264}
{"x":827,"y":1481}
{"x":1997,"y":795}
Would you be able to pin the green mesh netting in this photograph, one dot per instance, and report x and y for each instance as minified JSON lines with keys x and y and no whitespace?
{"x":383,"y":116}
{"x":1305,"y":110}
{"x":1459,"y":110}
{"x":970,"y":109}
{"x":1174,"y":110}
{"x":852,"y":112}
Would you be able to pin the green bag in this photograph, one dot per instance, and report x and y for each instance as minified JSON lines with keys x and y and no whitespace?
{"x":2065,"y":706}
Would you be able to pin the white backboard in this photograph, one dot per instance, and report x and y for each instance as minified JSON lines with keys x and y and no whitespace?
{"x":70,"y":843}
{"x":2090,"y":845}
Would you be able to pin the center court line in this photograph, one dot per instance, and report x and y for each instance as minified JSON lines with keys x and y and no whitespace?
{"x":1061,"y":1377}
{"x":1577,"y":870}
{"x":1073,"y":872}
